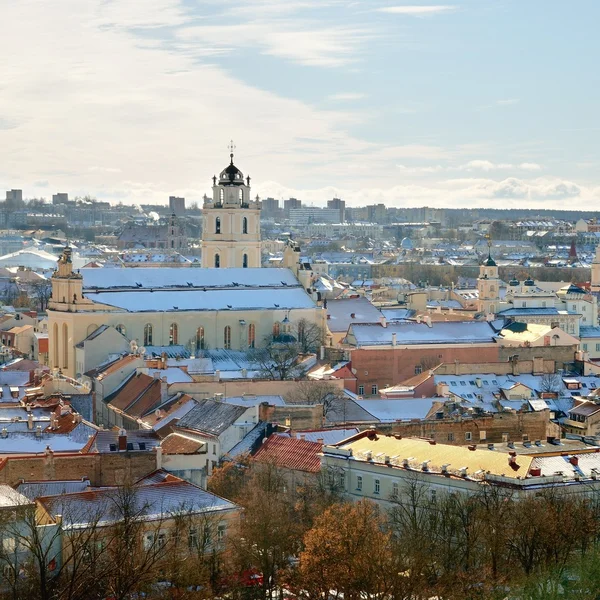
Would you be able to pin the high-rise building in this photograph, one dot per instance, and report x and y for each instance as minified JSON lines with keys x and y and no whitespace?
{"x":14,"y":196}
{"x":60,"y":198}
{"x":177,"y":206}
{"x":377,"y":213}
{"x":269,"y":208}
{"x":339,"y":205}
{"x":290,"y":204}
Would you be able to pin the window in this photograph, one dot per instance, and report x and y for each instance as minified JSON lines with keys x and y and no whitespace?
{"x":482,"y":435}
{"x":468,"y":436}
{"x":65,"y":346}
{"x":241,"y":197}
{"x":395,"y":490}
{"x":343,"y":480}
{"x":359,"y":483}
{"x":543,"y":304}
{"x":418,"y":369}
{"x":376,"y":486}
{"x":217,"y":261}
{"x":244,"y":225}
{"x":597,"y":347}
{"x":450,"y":437}
{"x":218,"y":225}
{"x":374,"y":389}
{"x":121,"y":329}
{"x":173,"y":334}
{"x":361,"y":390}
{"x":245,"y":261}
{"x":8,"y":545}
{"x":221,"y":531}
{"x":221,"y":194}
{"x":276,"y":329}
{"x":55,"y":342}
{"x":585,"y":347}
{"x":193,"y":539}
{"x":251,"y":335}
{"x":433,"y":495}
{"x":161,"y":540}
{"x":200,"y":338}
{"x":147,"y":334}
{"x":227,"y":338}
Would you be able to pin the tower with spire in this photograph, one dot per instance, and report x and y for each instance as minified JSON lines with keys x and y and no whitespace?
{"x":231,"y":222}
{"x":488,"y":284}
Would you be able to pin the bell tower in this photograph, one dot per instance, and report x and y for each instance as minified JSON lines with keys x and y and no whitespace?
{"x":595,"y":279}
{"x":231,"y":222}
{"x":488,"y":284}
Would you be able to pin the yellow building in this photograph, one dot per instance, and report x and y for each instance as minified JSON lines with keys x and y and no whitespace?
{"x":234,"y":304}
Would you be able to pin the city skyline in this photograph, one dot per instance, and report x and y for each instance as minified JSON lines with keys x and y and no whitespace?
{"x":449,"y":104}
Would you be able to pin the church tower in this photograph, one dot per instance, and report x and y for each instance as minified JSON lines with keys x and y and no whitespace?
{"x":488,"y":285}
{"x":231,"y":222}
{"x":595,"y":280}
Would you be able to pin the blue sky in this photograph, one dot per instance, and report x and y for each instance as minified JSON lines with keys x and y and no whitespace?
{"x":465,"y":103}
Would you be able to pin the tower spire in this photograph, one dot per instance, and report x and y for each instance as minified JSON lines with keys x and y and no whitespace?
{"x":231,"y":150}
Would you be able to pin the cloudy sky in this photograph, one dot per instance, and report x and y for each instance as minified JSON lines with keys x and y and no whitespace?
{"x":407,"y":102}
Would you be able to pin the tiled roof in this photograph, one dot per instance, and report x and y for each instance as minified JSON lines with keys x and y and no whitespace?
{"x":175,"y":443}
{"x":290,"y":453}
{"x":211,"y":417}
{"x":137,"y":396}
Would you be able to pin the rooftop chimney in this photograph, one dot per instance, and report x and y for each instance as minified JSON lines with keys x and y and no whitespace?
{"x":574,"y":460}
{"x":30,"y":421}
{"x":164,"y":390}
{"x":383,"y":321}
{"x":394,"y":338}
{"x":122,"y":440}
{"x":38,"y":431}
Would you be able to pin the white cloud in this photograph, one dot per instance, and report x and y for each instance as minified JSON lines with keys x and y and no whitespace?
{"x":417,"y":10}
{"x":346,"y":97}
{"x":507,"y":102}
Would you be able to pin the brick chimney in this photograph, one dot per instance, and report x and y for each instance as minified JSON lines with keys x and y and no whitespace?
{"x":122,"y":440}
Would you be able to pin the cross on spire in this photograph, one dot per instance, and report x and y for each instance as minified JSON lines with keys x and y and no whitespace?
{"x":231,"y":150}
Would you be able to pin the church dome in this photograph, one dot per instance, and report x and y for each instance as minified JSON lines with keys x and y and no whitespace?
{"x":489,"y":262}
{"x":529,"y":282}
{"x":231,"y":175}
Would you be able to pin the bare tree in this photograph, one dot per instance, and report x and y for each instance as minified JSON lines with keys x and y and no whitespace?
{"x":310,"y":336}
{"x":277,"y":359}
{"x":41,"y":292}
{"x":316,"y":392}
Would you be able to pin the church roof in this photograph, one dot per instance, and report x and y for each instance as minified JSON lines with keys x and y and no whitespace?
{"x":231,"y":175}
{"x":174,"y":289}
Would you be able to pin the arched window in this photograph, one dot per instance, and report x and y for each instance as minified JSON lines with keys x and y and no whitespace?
{"x":245,"y":225}
{"x":245,"y":261}
{"x":121,"y":329}
{"x":251,"y":335}
{"x":276,"y":329}
{"x":65,"y":337}
{"x":227,"y":337}
{"x":218,"y":225}
{"x":200,"y":338}
{"x":221,"y":194}
{"x":217,"y":261}
{"x":55,"y":337}
{"x":241,"y":195}
{"x":148,"y":334}
{"x":173,"y":334}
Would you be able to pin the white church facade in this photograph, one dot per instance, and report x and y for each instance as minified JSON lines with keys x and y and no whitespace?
{"x":229,"y":303}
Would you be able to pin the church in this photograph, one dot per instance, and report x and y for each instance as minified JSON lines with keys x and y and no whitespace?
{"x":231,"y":302}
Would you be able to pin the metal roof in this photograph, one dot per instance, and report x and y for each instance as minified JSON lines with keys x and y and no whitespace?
{"x":211,"y":417}
{"x":290,"y":453}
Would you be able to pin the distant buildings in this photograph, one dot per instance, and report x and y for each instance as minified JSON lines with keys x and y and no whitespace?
{"x":177,"y":206}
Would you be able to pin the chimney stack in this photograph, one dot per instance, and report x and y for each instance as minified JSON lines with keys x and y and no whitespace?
{"x":122,"y":440}
{"x":394,"y":338}
{"x":30,"y":421}
{"x":164,"y":390}
{"x":383,"y":321}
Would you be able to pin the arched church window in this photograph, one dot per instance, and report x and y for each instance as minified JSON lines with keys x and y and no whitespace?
{"x":65,"y":346}
{"x":148,"y":334}
{"x":173,"y":334}
{"x":227,"y":337}
{"x":245,"y":261}
{"x":276,"y":329}
{"x":55,"y":336}
{"x":241,"y":195}
{"x":121,"y":329}
{"x":251,"y":335}
{"x":200,"y":338}
{"x":218,"y":225}
{"x":221,"y":194}
{"x":245,"y":225}
{"x":217,"y":261}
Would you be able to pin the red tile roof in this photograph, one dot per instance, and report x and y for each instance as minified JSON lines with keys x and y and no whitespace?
{"x":290,"y":453}
{"x":175,"y":443}
{"x":137,"y":396}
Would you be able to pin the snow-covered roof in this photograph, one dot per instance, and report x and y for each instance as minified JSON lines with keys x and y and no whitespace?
{"x":403,"y":409}
{"x":447,"y":332}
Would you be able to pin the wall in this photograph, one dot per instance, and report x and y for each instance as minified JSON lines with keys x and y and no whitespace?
{"x":101,"y":469}
{"x":298,"y":417}
{"x":392,"y":365}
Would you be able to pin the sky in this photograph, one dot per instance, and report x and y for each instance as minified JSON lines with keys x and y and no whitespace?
{"x":465,"y":103}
